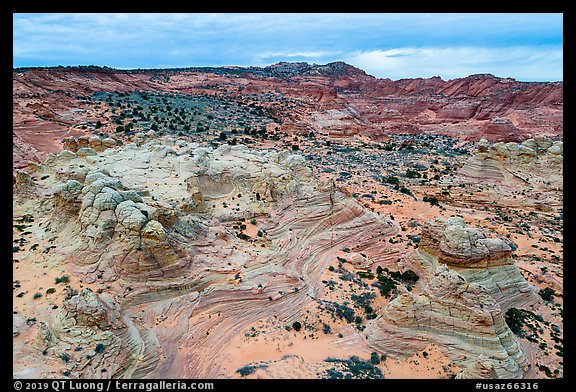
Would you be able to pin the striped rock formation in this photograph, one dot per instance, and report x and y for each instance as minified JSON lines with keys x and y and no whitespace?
{"x":165,"y":221}
{"x":98,"y":337}
{"x":467,"y":283}
{"x":537,"y":162}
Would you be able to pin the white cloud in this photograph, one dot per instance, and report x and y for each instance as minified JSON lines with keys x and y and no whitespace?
{"x":519,"y":62}
{"x":267,"y":57}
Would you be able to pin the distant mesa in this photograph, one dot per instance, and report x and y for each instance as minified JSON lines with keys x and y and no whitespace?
{"x":468,"y":108}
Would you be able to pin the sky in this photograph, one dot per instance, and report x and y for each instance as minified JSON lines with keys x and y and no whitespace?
{"x":526,"y":46}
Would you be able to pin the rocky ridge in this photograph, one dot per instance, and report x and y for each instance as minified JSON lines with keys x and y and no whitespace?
{"x":336,"y":99}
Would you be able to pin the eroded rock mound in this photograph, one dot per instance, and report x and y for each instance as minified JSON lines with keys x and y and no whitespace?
{"x":537,"y":162}
{"x":176,"y":223}
{"x":468,"y":281}
{"x":87,"y":143}
{"x":501,"y":129}
{"x":89,"y":334}
{"x":455,"y":243}
{"x":476,"y":256}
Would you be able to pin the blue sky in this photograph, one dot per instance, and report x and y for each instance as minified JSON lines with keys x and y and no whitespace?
{"x":526,"y":47}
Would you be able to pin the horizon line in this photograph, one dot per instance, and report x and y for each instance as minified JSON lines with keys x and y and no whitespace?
{"x":105,"y":67}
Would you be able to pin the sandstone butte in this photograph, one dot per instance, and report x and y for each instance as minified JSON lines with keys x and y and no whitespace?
{"x":162,"y":256}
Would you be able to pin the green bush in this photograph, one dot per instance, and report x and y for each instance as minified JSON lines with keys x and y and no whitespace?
{"x":547,"y":294}
{"x":243,"y":236}
{"x":405,"y":190}
{"x":296,"y":326}
{"x":412,"y":174}
{"x":100,"y":348}
{"x":386,"y":285}
{"x":62,"y":279}
{"x":431,"y":200}
{"x":392,"y":180}
{"x":246,"y":370}
{"x":515,"y":319}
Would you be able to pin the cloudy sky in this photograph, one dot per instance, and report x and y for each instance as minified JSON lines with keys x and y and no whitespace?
{"x":526,"y":47}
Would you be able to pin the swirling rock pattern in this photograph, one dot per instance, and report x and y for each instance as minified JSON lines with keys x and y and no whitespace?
{"x":97,"y":331}
{"x":537,"y":162}
{"x":168,"y":225}
{"x":468,"y":281}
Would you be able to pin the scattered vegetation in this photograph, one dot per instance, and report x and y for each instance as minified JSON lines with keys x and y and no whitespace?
{"x":352,"y":368}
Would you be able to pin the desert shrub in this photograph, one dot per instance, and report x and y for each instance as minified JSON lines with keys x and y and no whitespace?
{"x":296,"y":326}
{"x":547,"y":294}
{"x":412,"y":174}
{"x":515,"y":319}
{"x":431,"y":200}
{"x":386,"y":285}
{"x":365,"y":275}
{"x":405,"y":190}
{"x":100,"y":348}
{"x":243,"y":236}
{"x":391,"y":180}
{"x":406,"y":276}
{"x":246,"y":370}
{"x":62,"y":279}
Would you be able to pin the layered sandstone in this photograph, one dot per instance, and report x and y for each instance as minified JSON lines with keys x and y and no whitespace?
{"x":467,"y":282}
{"x":537,"y":163}
{"x":165,"y":222}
